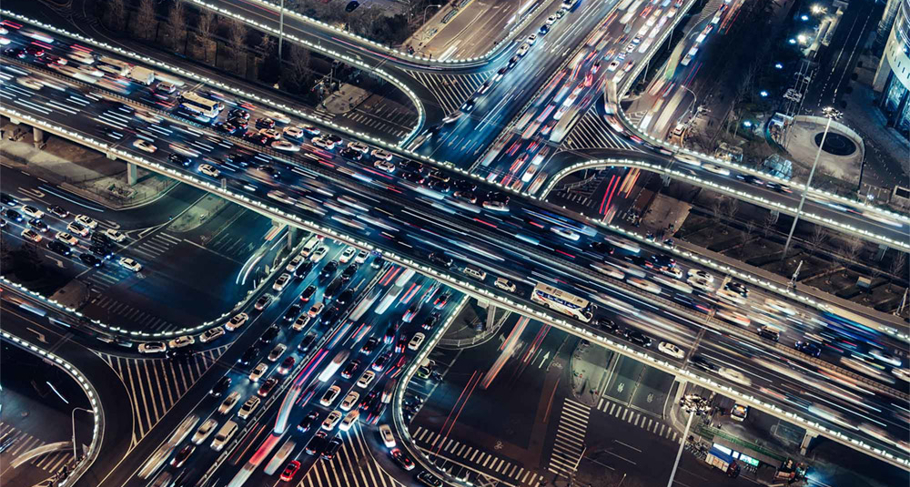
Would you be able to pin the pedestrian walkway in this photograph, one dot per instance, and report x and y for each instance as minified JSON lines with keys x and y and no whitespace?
{"x":139,"y":320}
{"x":569,"y":444}
{"x":460,"y":453}
{"x":352,"y":466}
{"x":18,"y":442}
{"x":155,"y":384}
{"x":451,"y":90}
{"x":591,"y":132}
{"x":643,"y":421}
{"x":153,"y":247}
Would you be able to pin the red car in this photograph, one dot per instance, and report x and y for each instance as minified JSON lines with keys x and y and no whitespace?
{"x":290,"y":471}
{"x":402,"y":460}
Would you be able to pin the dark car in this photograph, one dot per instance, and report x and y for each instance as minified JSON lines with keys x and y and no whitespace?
{"x":307,"y":342}
{"x":35,"y":51}
{"x":240,"y":123}
{"x":390,"y":333}
{"x":605,"y":324}
{"x":639,"y":338}
{"x":328,"y":270}
{"x":182,"y":456}
{"x":750,"y":179}
{"x":430,"y":480}
{"x":603,"y":248}
{"x":226,"y":127}
{"x":58,"y":211}
{"x":37,"y":225}
{"x":266,"y":388}
{"x":349,"y":271}
{"x":412,"y":165}
{"x":780,"y":188}
{"x":316,"y":443}
{"x":688,"y":302}
{"x":220,"y":387}
{"x":441,"y":260}
{"x":402,"y":460}
{"x":345,"y":297}
{"x":307,"y":422}
{"x":16,"y":52}
{"x":350,"y":368}
{"x":335,"y":443}
{"x":349,"y":153}
{"x":808,"y":348}
{"x":308,"y":293}
{"x":328,"y":317}
{"x":265,"y":123}
{"x":292,"y":313}
{"x":702,"y":363}
{"x":180,"y":354}
{"x":239,"y":113}
{"x":239,"y":158}
{"x":640,"y":261}
{"x":465,"y":185}
{"x":304,"y":269}
{"x":90,"y":260}
{"x":102,"y":251}
{"x":737,"y":288}
{"x":412,"y":177}
{"x":369,"y":346}
{"x":248,"y":356}
{"x":60,"y":248}
{"x":8,"y":200}
{"x":351,"y":6}
{"x":270,"y":334}
{"x":430,"y":321}
{"x":661,"y":260}
{"x":439,"y":185}
{"x":13,"y":215}
{"x":180,"y":160}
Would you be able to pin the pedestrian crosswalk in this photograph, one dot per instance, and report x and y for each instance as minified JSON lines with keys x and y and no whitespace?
{"x":113,"y":312}
{"x":591,"y":132}
{"x":460,"y":453}
{"x":153,"y":247}
{"x":390,"y":118}
{"x":636,"y":117}
{"x":577,"y":198}
{"x":155,"y":385}
{"x":352,"y":466}
{"x":451,"y":90}
{"x":644,"y":421}
{"x":231,"y":245}
{"x":17,"y":442}
{"x":569,"y":444}
{"x":145,"y":250}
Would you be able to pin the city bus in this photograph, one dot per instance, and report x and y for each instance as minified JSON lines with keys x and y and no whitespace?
{"x":198,"y":104}
{"x":630,"y":13}
{"x":565,"y":303}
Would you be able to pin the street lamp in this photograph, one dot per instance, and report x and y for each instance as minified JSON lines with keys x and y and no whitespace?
{"x":73,"y":417}
{"x":425,"y":11}
{"x":695,"y":405}
{"x":831,"y":114}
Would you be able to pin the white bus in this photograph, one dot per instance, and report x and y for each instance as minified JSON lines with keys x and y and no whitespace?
{"x":624,"y":5}
{"x":565,"y":303}
{"x":198,"y":104}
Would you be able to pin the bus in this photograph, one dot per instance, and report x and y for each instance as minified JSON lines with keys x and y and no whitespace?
{"x":630,"y":13}
{"x":565,"y":303}
{"x":334,"y":366}
{"x":624,"y":4}
{"x":198,"y":104}
{"x":562,"y":128}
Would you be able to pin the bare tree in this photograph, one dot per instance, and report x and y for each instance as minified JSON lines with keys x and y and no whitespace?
{"x":116,"y":15}
{"x":205,"y":29}
{"x":849,"y":250}
{"x":146,"y":23}
{"x":296,"y":76}
{"x":176,"y":22}
{"x":237,"y":33}
{"x":767,"y":224}
{"x":731,"y":208}
{"x":898,"y":268}
{"x":818,"y":237}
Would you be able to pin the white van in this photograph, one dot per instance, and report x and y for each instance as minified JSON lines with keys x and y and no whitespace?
{"x":224,"y":435}
{"x":309,"y":246}
{"x":475,"y":272}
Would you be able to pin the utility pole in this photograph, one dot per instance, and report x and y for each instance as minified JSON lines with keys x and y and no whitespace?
{"x":280,"y":32}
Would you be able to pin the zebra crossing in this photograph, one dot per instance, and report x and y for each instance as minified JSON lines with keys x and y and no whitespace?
{"x":138,"y":319}
{"x":155,"y":385}
{"x":231,"y":245}
{"x":20,"y":442}
{"x":353,"y":465}
{"x":591,"y":132}
{"x":451,"y":90}
{"x":643,"y":421}
{"x":156,"y":245}
{"x":569,"y":444}
{"x":388,"y":117}
{"x":436,"y":445}
{"x":148,"y":249}
{"x":577,"y":198}
{"x":636,"y":117}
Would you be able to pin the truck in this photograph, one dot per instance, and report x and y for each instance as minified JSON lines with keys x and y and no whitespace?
{"x":142,"y":75}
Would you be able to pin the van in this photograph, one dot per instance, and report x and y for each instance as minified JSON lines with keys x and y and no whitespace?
{"x":475,"y":272}
{"x":309,"y":246}
{"x":769,"y":332}
{"x":224,"y":435}
{"x":332,"y":289}
{"x":248,"y":407}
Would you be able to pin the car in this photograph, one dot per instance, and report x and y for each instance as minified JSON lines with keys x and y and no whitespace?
{"x":263,"y":302}
{"x":286,"y":365}
{"x":267,"y":337}
{"x":331,"y":420}
{"x":266,"y":388}
{"x":330,"y":395}
{"x":211,"y":334}
{"x":769,"y":332}
{"x":734,"y":375}
{"x":204,"y":431}
{"x":130,"y":264}
{"x":381,"y":362}
{"x":290,"y":471}
{"x":237,"y":321}
{"x":442,"y":300}
{"x":220,"y":387}
{"x":369,"y":401}
{"x":239,"y":113}
{"x":32,"y":212}
{"x":359,"y":147}
{"x":86,"y":258}
{"x":416,"y":341}
{"x":411,"y":312}
{"x":60,"y":236}
{"x":349,"y":420}
{"x":78,"y":229}
{"x":308,"y":293}
{"x":722,"y":171}
{"x":152,"y":347}
{"x":390,"y":333}
{"x":402,"y":460}
{"x":430,"y":480}
{"x":737,"y":288}
{"x":640,"y":261}
{"x":319,"y":253}
{"x":468,"y":196}
{"x":248,"y":355}
{"x":182,"y":456}
{"x":370,"y":345}
{"x":345,"y":297}
{"x":316,"y":309}
{"x":31,"y":235}
{"x":531,"y":39}
{"x":808,"y":348}
{"x":294,"y":132}
{"x":249,"y":407}
{"x":565,"y":233}
{"x":671,"y":350}
{"x":229,"y":402}
{"x":350,"y":400}
{"x":86,"y":221}
{"x":112,"y":234}
{"x":430,"y":321}
{"x":366,"y":379}
{"x":144,"y":146}
{"x":700,"y":274}
{"x":181,"y":341}
{"x":385,"y":433}
{"x":307,"y":341}
{"x":323,"y":143}
{"x":8,"y":200}
{"x":551,"y":19}
{"x":501,"y":73}
{"x":699,"y":284}
{"x":702,"y":363}
{"x":442,"y":260}
{"x":347,"y":255}
{"x":316,"y":443}
{"x":16,"y":52}
{"x":381,"y":155}
{"x":639,"y":338}
{"x":349,"y":271}
{"x":385,"y":166}
{"x":361,"y":257}
{"x":209,"y":170}
{"x":281,"y":282}
{"x":307,"y":422}
{"x":265,"y":123}
{"x":258,"y":372}
{"x":292,"y":312}
{"x":674,"y":272}
{"x":661,"y":260}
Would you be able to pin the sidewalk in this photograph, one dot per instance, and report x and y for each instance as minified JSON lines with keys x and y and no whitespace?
{"x":346,"y":99}
{"x":589,"y":369}
{"x":82,"y":171}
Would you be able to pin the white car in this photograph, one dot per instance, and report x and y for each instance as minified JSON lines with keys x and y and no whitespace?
{"x":734,"y":317}
{"x":229,"y":402}
{"x":115,"y":235}
{"x":350,"y":400}
{"x":349,"y":420}
{"x":67,"y":239}
{"x":644,"y":285}
{"x":293,"y":132}
{"x":780,"y":306}
{"x":209,"y":170}
{"x":613,"y":66}
{"x":331,"y":420}
{"x":347,"y":255}
{"x":249,"y":407}
{"x":259,"y":371}
{"x":730,"y":296}
{"x":278,"y":117}
{"x":32,"y":212}
{"x":323,"y":143}
{"x":504,"y":284}
{"x":416,"y":341}
{"x":78,"y":229}
{"x":181,"y":342}
{"x":608,"y":270}
{"x":552,"y":19}
{"x":30,"y":234}
{"x":211,"y":334}
{"x":674,"y":272}
{"x":361,"y":257}
{"x":29,"y":82}
{"x":716,"y":169}
{"x":319,"y":253}
{"x":671,"y":350}
{"x":330,"y":395}
{"x":734,"y":375}
{"x":145,"y":146}
{"x":237,"y":321}
{"x":91,"y":70}
{"x":359,"y":147}
{"x":531,"y":39}
{"x":316,"y":309}
{"x":384,"y":165}
{"x":204,"y":431}
{"x":87,"y":221}
{"x":281,"y":282}
{"x":700,"y":274}
{"x":152,"y":347}
{"x":285,"y":146}
{"x":523,"y":49}
{"x":366,"y":379}
{"x":300,"y":323}
{"x":700,"y":284}
{"x":381,"y":154}
{"x":130,"y":264}
{"x":565,"y":233}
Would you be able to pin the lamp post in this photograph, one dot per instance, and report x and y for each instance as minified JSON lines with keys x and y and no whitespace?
{"x":831,"y":114}
{"x":694,"y":405}
{"x":425,"y":11}
{"x":280,"y":31}
{"x":73,"y":417}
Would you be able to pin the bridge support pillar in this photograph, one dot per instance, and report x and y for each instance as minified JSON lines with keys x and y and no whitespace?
{"x":774,"y":216}
{"x":680,"y":389}
{"x":880,"y":254}
{"x":491,"y":316}
{"x":293,"y":237}
{"x":807,"y":440}
{"x":665,"y":179}
{"x":132,"y":173}
{"x":38,"y":136}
